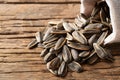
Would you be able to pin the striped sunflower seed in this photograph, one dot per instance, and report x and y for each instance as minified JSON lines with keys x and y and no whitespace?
{"x":75,"y":66}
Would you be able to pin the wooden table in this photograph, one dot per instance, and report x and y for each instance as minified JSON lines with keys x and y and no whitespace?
{"x":19,"y":20}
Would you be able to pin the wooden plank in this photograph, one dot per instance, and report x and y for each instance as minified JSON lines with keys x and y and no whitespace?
{"x":37,"y":62}
{"x":14,"y":70}
{"x":20,"y":51}
{"x":37,"y":75}
{"x":38,"y":11}
{"x":19,"y":36}
{"x":28,"y":23}
{"x":39,"y":1}
{"x":10,"y":30}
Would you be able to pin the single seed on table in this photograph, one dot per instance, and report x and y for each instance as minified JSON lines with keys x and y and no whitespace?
{"x":44,"y":52}
{"x":32,"y":44}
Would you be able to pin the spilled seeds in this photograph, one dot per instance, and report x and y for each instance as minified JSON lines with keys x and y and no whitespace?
{"x":66,"y":45}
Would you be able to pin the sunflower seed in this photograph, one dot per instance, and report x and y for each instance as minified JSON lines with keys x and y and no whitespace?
{"x":72,"y":25}
{"x":74,"y":66}
{"x":93,"y":59}
{"x":92,"y":31}
{"x":102,"y":53}
{"x":74,"y":54}
{"x":88,"y":57}
{"x":49,"y":45}
{"x":96,"y":10}
{"x":62,"y":71}
{"x":55,"y":72}
{"x":83,"y":18}
{"x":51,"y":40}
{"x":49,"y":57}
{"x":98,"y":26}
{"x":92,"y":40}
{"x":38,"y":36}
{"x":47,"y":33}
{"x":66,"y":54}
{"x":60,"y":57}
{"x":54,"y":22}
{"x":67,"y":27}
{"x":60,"y":43}
{"x":44,"y":52}
{"x":51,"y":36}
{"x":84,"y":54}
{"x":79,"y":37}
{"x":78,"y":46}
{"x":102,"y":15}
{"x":69,"y":37}
{"x":32,"y":44}
{"x":55,"y":63}
{"x":59,"y":32}
{"x":102,"y":38}
{"x":78,"y":22}
{"x":59,"y":26}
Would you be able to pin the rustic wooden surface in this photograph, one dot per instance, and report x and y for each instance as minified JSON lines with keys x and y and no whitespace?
{"x":19,"y":20}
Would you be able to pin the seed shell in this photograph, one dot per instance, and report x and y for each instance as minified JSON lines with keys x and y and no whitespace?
{"x":75,"y":66}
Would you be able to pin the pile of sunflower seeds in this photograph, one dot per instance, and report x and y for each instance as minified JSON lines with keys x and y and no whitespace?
{"x":67,"y":45}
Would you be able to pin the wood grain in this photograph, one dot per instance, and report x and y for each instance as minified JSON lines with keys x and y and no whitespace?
{"x":37,"y":11}
{"x":19,"y":20}
{"x":40,"y":1}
